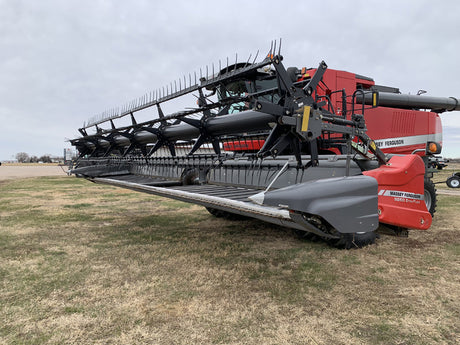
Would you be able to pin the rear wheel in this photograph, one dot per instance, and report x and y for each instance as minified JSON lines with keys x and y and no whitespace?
{"x":453,"y":182}
{"x":429,"y":196}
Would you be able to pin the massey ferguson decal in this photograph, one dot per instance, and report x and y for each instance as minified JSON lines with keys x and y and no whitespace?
{"x":402,"y":196}
{"x":406,"y":141}
{"x":389,"y":143}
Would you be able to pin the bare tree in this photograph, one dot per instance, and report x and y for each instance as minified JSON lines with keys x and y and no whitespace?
{"x":22,"y":157}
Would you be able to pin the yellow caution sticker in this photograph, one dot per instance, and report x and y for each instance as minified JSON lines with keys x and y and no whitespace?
{"x":372,"y":145}
{"x":305,"y":118}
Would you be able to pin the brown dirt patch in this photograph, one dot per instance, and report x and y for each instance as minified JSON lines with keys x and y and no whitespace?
{"x":8,"y":172}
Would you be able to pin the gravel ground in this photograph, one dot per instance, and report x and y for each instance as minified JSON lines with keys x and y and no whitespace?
{"x":8,"y":172}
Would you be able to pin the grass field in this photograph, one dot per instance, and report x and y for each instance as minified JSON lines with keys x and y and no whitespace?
{"x":90,"y":264}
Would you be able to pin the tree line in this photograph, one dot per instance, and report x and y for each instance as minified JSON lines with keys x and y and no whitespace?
{"x":23,"y":157}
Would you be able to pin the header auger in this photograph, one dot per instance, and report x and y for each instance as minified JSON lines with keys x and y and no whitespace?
{"x":288,"y":146}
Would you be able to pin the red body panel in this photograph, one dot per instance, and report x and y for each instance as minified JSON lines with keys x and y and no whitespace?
{"x":248,"y":145}
{"x":401,"y":192}
{"x":397,"y":131}
{"x":402,"y":131}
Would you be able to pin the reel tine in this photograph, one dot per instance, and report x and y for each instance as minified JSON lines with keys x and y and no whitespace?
{"x":247,"y":62}
{"x":180,"y":86}
{"x":255,"y":58}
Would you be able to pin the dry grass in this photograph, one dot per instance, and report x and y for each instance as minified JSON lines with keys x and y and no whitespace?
{"x":91,"y":264}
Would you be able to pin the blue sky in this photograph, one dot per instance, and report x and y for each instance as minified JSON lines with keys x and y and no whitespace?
{"x":61,"y":62}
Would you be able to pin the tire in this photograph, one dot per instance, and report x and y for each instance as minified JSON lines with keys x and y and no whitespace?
{"x":453,"y":182}
{"x":430,"y":196}
{"x":190,"y":177}
{"x":355,"y":240}
{"x":346,"y":241}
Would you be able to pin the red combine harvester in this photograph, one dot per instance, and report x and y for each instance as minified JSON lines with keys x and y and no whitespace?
{"x":325,"y":152}
{"x":398,"y":124}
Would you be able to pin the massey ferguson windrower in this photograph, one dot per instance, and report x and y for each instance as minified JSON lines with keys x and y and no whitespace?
{"x":287,"y":146}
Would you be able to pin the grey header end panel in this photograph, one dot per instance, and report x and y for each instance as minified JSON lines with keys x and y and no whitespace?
{"x":349,"y":204}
